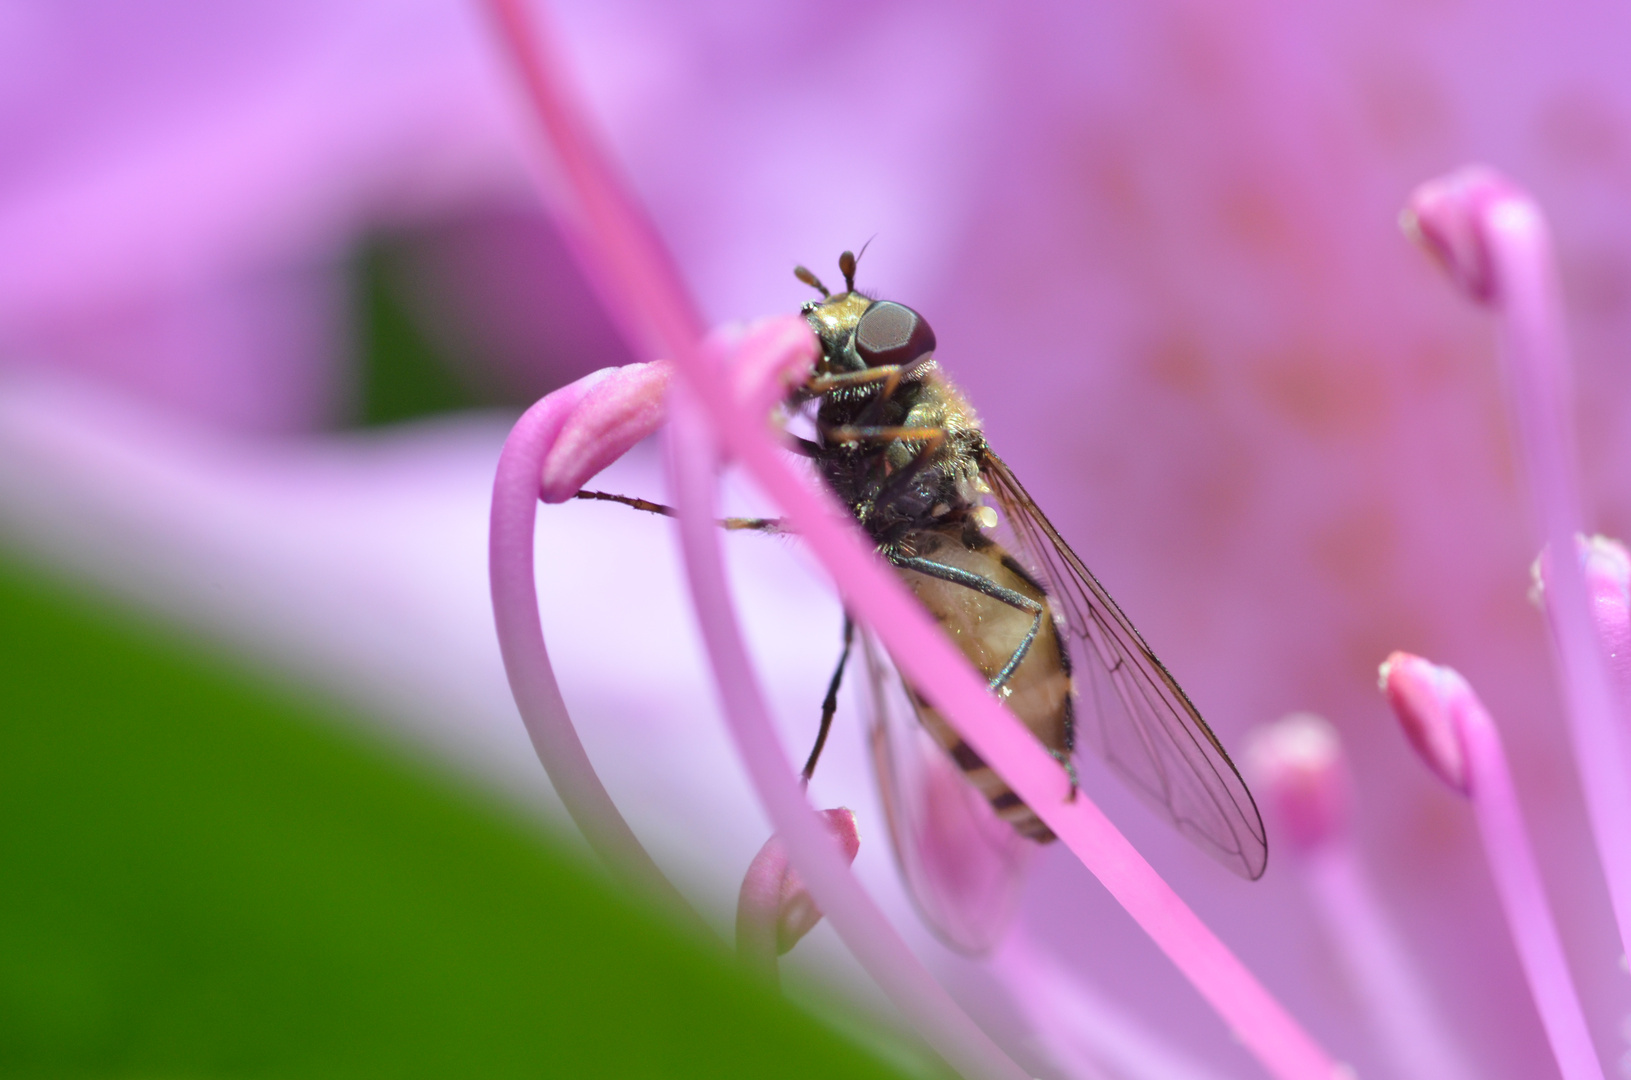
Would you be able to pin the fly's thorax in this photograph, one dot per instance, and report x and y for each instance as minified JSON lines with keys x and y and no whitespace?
{"x":926,"y":399}
{"x":899,"y":486}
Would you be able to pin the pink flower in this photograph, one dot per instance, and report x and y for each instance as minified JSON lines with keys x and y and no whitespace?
{"x":1157,"y":247}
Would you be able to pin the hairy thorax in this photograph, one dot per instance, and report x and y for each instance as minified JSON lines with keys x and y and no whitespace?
{"x":939,"y":491}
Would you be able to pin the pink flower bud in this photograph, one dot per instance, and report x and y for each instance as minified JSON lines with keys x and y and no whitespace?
{"x":774,"y":909}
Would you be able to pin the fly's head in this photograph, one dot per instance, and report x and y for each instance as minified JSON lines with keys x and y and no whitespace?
{"x":858,"y":333}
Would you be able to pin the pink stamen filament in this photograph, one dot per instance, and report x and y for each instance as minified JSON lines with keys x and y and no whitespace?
{"x":1517,"y":879}
{"x":665,"y":322}
{"x":1379,"y":965}
{"x":629,"y":265}
{"x":1488,"y":783}
{"x":1084,"y":1033}
{"x":526,"y":660}
{"x":1297,"y":767}
{"x":1510,"y":237}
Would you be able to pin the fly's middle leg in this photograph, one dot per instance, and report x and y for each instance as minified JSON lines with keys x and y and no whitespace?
{"x":829,"y":706}
{"x":986,"y":587}
{"x":1063,"y":757}
{"x":856,"y":433}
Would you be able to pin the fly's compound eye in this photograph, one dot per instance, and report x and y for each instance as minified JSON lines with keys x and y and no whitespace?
{"x":891,"y":333}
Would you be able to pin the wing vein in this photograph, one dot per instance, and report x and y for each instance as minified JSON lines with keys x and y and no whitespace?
{"x":1140,"y":720}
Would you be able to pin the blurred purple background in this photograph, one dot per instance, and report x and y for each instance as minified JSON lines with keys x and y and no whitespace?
{"x":1157,"y":243}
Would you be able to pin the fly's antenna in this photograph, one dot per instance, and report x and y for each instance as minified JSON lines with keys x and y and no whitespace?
{"x":847,"y":261}
{"x":811,"y":280}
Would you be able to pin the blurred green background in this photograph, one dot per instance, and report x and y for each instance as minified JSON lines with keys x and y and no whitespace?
{"x":203,"y":876}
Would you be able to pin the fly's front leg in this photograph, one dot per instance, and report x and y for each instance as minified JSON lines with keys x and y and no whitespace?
{"x":888,"y":374}
{"x":985,"y":587}
{"x":769,"y":525}
{"x":893,"y":484}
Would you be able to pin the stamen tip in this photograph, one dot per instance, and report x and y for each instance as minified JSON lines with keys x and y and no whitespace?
{"x":1296,"y":763}
{"x":603,"y":414}
{"x":1427,"y":698}
{"x":1607,"y":567}
{"x":766,"y":359}
{"x":1447,"y":218}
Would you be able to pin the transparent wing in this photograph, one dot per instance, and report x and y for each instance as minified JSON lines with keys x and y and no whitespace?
{"x":963,"y":866}
{"x":1130,"y":709}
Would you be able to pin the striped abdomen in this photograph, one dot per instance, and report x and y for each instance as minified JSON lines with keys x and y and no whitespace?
{"x":988,"y":631}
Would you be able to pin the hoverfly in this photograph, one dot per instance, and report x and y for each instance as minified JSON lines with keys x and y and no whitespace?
{"x":899,"y":444}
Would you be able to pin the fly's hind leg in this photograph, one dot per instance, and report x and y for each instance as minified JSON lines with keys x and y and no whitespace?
{"x":829,"y":706}
{"x":770,"y":525}
{"x":985,"y":587}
